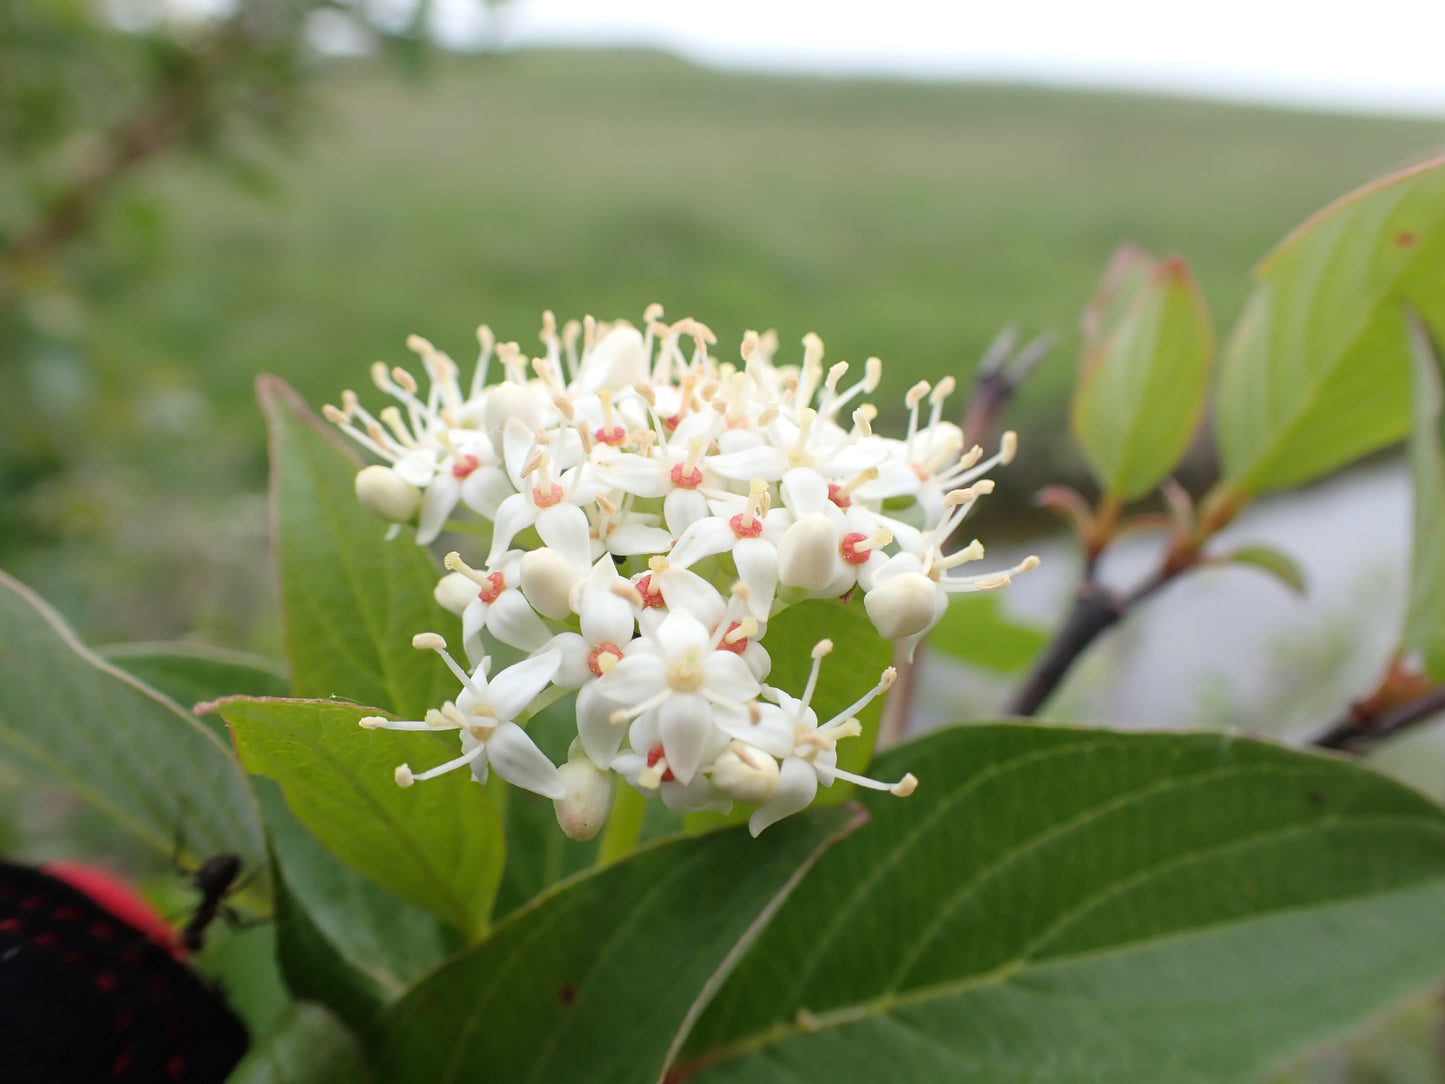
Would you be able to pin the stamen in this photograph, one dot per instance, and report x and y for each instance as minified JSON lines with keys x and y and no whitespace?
{"x":441,"y":769}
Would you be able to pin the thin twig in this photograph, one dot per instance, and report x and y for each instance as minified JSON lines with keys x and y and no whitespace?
{"x":997,"y":379}
{"x":1096,"y":609}
{"x":1360,"y":729}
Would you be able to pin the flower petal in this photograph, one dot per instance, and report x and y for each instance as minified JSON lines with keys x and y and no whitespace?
{"x":685,"y":721}
{"x":518,"y":760}
{"x":516,"y":686}
{"x":600,"y":736}
{"x":797,"y":784}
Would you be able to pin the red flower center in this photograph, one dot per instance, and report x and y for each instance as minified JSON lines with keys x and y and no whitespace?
{"x":653,"y":756}
{"x":463,"y":465}
{"x":686,"y":479}
{"x":548,"y":499}
{"x":738,"y":646}
{"x":848,"y":548}
{"x":496,"y":584}
{"x":651,"y":599}
{"x":594,"y":660}
{"x":751,"y":530}
{"x":615,"y":435}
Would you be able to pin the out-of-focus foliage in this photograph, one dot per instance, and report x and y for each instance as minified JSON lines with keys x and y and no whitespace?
{"x":93,"y":94}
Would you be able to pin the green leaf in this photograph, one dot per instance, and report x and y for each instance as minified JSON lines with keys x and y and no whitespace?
{"x":69,"y":718}
{"x":1317,"y":371}
{"x":341,"y":940}
{"x":600,"y":979}
{"x":192,"y":673}
{"x":1425,"y":618}
{"x":306,"y":1045}
{"x":1148,"y":344}
{"x":1090,"y":906}
{"x":976,"y":630}
{"x":351,"y":602}
{"x":437,"y":844}
{"x":1277,"y":563}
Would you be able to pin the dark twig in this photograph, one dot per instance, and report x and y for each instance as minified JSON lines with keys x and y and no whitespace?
{"x":1361,"y":728}
{"x":1096,"y":610}
{"x":997,"y":379}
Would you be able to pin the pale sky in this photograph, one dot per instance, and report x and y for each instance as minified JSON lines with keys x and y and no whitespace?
{"x":1382,"y":55}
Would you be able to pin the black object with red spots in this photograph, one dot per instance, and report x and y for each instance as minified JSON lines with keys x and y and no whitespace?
{"x":86,"y":995}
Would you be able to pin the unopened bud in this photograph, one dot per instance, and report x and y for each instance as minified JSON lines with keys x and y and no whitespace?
{"x":904,"y":605}
{"x":618,"y":359}
{"x":745,"y":773}
{"x":806,"y":553}
{"x":547,"y":581}
{"x":455,"y":592}
{"x":386,"y":494}
{"x":583,"y":809}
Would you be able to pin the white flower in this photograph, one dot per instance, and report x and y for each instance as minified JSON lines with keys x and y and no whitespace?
{"x":484,"y":712}
{"x":807,"y":749}
{"x":679,"y":678}
{"x":681,"y":502}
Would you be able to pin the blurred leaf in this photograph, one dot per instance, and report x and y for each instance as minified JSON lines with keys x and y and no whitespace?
{"x":1148,"y":344}
{"x":71,"y":719}
{"x":1277,"y":563}
{"x":1425,"y":616}
{"x":1317,"y":373}
{"x":976,"y":630}
{"x":307,"y":1045}
{"x":1088,"y":906}
{"x":351,"y":602}
{"x":600,"y":979}
{"x":437,"y":844}
{"x":190,"y":673}
{"x":340,"y":939}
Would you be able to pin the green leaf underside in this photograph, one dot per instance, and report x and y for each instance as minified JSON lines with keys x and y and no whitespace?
{"x":1425,"y":616}
{"x":341,"y":940}
{"x":438,"y":843}
{"x":1277,"y":563}
{"x":69,"y":718}
{"x":192,"y":673}
{"x":1143,"y":383}
{"x":1316,"y":373}
{"x":975,"y":629}
{"x":1090,"y":906}
{"x":351,"y":602}
{"x":306,"y":1045}
{"x":600,"y":978}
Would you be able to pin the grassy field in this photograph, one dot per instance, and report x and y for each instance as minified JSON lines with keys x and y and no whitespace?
{"x":906,"y":220}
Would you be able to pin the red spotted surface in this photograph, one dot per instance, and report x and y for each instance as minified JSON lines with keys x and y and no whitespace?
{"x":92,"y":988}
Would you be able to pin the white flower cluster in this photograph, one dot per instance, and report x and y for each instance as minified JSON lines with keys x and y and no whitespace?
{"x":650,"y":508}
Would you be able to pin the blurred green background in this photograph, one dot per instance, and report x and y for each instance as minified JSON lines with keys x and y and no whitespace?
{"x":907,"y":220}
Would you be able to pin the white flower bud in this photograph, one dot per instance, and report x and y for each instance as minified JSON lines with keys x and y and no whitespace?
{"x":506,"y":401}
{"x":583,"y":809}
{"x":618,"y":361}
{"x":745,"y":773}
{"x":455,"y":592}
{"x":547,"y":581}
{"x":807,"y":553}
{"x":903,"y":605}
{"x":387,"y":494}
